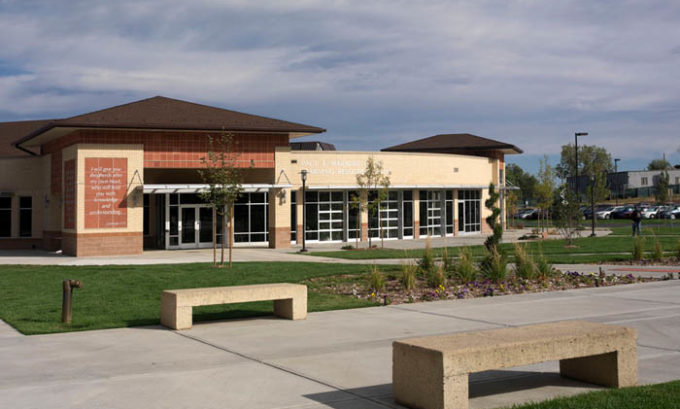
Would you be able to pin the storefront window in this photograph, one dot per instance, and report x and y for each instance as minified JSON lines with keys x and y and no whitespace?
{"x":325,"y":221}
{"x":407,"y":211}
{"x":388,"y":216}
{"x":5,"y":216}
{"x":25,"y":216}
{"x":251,"y":224}
{"x":469,"y":211}
{"x":430,"y":212}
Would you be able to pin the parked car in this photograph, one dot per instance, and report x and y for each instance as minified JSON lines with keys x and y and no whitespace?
{"x":528,"y":214}
{"x":650,"y":212}
{"x":606,"y":213}
{"x":624,"y":213}
{"x":672,"y":212}
{"x":588,"y":212}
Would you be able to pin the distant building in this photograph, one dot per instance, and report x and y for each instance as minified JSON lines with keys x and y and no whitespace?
{"x":634,"y":183}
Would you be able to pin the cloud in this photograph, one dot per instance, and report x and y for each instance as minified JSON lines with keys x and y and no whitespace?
{"x":374,"y":73}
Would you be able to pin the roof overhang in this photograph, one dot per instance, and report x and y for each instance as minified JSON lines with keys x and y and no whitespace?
{"x":52,"y":132}
{"x":197,"y":188}
{"x":355,"y":187}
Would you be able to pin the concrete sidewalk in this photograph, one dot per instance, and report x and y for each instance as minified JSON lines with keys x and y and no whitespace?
{"x":337,"y":359}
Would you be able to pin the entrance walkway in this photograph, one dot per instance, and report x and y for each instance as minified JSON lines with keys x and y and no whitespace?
{"x":337,"y":359}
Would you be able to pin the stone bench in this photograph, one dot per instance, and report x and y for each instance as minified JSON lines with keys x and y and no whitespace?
{"x":432,"y":372}
{"x":290,"y":301}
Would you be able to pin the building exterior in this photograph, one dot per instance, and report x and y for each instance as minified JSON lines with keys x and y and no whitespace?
{"x":124,"y":179}
{"x":634,"y":183}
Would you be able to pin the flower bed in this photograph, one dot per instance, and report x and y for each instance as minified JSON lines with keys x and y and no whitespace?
{"x":394,"y":293}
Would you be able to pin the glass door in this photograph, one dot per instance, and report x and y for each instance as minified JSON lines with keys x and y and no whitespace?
{"x":189,"y":227}
{"x":205,"y":234}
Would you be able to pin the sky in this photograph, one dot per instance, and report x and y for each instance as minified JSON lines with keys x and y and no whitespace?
{"x":373,"y":73}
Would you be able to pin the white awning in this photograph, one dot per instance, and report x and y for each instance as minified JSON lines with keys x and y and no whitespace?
{"x":355,"y":187}
{"x":196,"y":188}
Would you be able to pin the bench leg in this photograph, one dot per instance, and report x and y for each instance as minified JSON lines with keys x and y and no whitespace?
{"x":291,"y":308}
{"x":176,"y":317}
{"x":615,"y":369}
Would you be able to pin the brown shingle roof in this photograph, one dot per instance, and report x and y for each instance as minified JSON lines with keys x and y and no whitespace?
{"x":11,"y":131}
{"x":172,"y":114}
{"x":454,"y":143}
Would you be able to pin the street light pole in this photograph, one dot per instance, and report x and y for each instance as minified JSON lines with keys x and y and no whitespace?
{"x":616,"y":179}
{"x":593,"y":180}
{"x":576,"y":182}
{"x":303,"y":174}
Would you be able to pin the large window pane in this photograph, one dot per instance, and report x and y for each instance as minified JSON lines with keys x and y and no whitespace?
{"x":25,"y":216}
{"x":5,"y":216}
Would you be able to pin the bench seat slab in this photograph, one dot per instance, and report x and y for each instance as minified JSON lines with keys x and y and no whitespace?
{"x":290,"y":301}
{"x":432,"y":372}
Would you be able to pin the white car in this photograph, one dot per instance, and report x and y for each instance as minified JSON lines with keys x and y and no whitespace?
{"x":650,"y":212}
{"x":606,"y":213}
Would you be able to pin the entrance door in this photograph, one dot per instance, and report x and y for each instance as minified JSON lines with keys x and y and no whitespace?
{"x":196,"y":226}
{"x":189,"y":227}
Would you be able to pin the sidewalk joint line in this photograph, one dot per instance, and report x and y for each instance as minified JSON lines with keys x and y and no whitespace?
{"x":398,"y":307}
{"x":287,"y":370}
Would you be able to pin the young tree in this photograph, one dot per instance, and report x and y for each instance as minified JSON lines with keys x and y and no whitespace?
{"x":374,"y":185}
{"x":358,"y":202}
{"x":491,"y":203}
{"x":511,"y":205}
{"x":567,"y":215}
{"x":659,"y":164}
{"x":545,"y":190}
{"x":662,"y":186}
{"x":223,"y":177}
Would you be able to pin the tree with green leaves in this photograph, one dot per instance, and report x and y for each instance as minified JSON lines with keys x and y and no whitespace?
{"x":526,"y":182}
{"x":659,"y":164}
{"x":374,"y":184}
{"x":545,"y":190}
{"x":223,"y":176}
{"x":592,"y":160}
{"x":492,"y":219}
{"x":662,"y":186}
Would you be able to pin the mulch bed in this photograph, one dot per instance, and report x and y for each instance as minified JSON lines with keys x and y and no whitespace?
{"x":394,"y":293}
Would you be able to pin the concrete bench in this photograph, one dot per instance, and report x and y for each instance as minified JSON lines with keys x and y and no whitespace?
{"x":290,"y":301}
{"x":432,"y":372}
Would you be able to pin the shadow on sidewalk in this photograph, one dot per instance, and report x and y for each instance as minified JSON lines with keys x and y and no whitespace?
{"x":493,"y":384}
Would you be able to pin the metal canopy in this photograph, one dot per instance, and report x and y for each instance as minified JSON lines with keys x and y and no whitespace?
{"x":196,"y":188}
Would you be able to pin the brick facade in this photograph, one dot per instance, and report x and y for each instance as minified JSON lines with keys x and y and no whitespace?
{"x":101,"y":244}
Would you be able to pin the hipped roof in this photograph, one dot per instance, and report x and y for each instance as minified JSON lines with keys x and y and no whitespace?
{"x":162,"y":113}
{"x":454,"y":143}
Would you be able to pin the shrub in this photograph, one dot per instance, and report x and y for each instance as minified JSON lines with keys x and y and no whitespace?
{"x":658,"y":250}
{"x":494,"y":267}
{"x":465,"y":269}
{"x":376,"y":279}
{"x":446,"y":260}
{"x":436,"y":278}
{"x":543,"y":268}
{"x":426,"y":263}
{"x":524,"y":263}
{"x":408,"y":276}
{"x":638,"y":248}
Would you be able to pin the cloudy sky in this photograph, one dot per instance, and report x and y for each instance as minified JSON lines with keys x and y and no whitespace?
{"x":374,"y":73}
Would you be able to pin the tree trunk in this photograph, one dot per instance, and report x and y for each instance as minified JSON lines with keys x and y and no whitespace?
{"x":231,"y":225}
{"x":358,"y":230}
{"x":224,"y":237}
{"x":214,"y":228}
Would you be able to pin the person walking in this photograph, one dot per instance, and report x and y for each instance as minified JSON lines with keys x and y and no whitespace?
{"x":637,"y":220}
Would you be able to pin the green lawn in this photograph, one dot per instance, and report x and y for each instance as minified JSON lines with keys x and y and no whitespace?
{"x":586,"y":250}
{"x":659,"y":396}
{"x":121,"y":296}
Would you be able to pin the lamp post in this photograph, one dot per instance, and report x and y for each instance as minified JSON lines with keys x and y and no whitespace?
{"x":593,"y":180}
{"x":576,"y":182}
{"x":616,"y":179}
{"x":303,"y":174}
